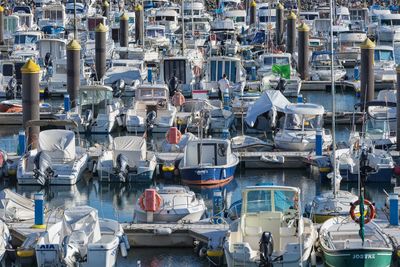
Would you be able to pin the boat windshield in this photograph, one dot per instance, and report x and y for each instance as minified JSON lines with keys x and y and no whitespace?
{"x":383,"y":55}
{"x":276,"y":61}
{"x":303,"y":122}
{"x":266,"y":19}
{"x":155,"y":33}
{"x":95,"y":100}
{"x":271,"y":200}
{"x":53,"y":14}
{"x":390,"y":22}
{"x":374,"y":127}
{"x":25,"y":39}
{"x":150,"y":93}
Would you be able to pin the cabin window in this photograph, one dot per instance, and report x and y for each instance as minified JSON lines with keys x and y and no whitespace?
{"x":170,"y":18}
{"x":22,"y":9}
{"x":18,"y":67}
{"x":8,"y":70}
{"x":266,"y":19}
{"x":240,"y":19}
{"x":271,"y":200}
{"x":10,"y":24}
{"x":213,"y":70}
{"x":25,"y":39}
{"x":227,"y":69}
{"x":232,"y":77}
{"x":177,"y":67}
{"x":53,"y":14}
{"x":219,"y":74}
{"x":303,"y":122}
{"x":159,"y":18}
{"x":383,"y":55}
{"x":377,"y":127}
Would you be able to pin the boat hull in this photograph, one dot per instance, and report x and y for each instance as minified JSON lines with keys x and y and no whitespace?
{"x":383,"y":175}
{"x":193,"y":215}
{"x":207,"y":176}
{"x":358,"y":257}
{"x":144,"y":177}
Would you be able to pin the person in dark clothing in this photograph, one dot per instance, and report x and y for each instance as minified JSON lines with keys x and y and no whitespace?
{"x":172,"y":85}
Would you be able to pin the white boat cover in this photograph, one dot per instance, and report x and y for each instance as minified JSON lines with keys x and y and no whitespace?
{"x":269,"y":99}
{"x":132,"y":147}
{"x":129,"y":74}
{"x":15,"y":207}
{"x":5,"y":238}
{"x":58,"y":144}
{"x":82,"y":218}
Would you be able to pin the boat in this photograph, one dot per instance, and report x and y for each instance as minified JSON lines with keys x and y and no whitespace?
{"x":208,"y":162}
{"x":156,"y":36}
{"x":26,"y":40}
{"x":384,"y":64}
{"x":242,"y":143}
{"x":388,"y":29}
{"x":127,"y":161}
{"x":81,"y":238}
{"x":349,"y":53}
{"x":5,"y":241}
{"x":169,"y":204}
{"x":275,"y":68}
{"x":320,"y":66}
{"x":263,"y":114}
{"x":342,"y":246}
{"x":15,"y":207}
{"x":302,"y":121}
{"x":379,"y":160}
{"x":57,"y":160}
{"x":151,"y":109}
{"x":98,"y":111}
{"x":271,"y":230}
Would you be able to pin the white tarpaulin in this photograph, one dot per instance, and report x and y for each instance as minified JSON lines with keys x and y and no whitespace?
{"x":268,"y":100}
{"x":15,"y":207}
{"x":58,"y":144}
{"x":84,"y":219}
{"x":132,"y":147}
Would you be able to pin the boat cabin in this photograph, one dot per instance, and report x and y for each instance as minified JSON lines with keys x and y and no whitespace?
{"x":218,"y":66}
{"x":303,"y":117}
{"x":152,"y":92}
{"x":25,"y":20}
{"x":391,"y":20}
{"x":267,"y":15}
{"x":26,"y":40}
{"x":384,"y":53}
{"x":11,"y":24}
{"x":238,"y":17}
{"x":53,"y":14}
{"x":11,"y":68}
{"x":95,"y":98}
{"x":207,"y":152}
{"x":56,"y":48}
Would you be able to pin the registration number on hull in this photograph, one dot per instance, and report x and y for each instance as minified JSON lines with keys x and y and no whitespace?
{"x":363,"y":256}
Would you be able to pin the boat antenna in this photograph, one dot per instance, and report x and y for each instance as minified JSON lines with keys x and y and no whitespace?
{"x":75,"y":29}
{"x":183,"y":27}
{"x":334,"y":184}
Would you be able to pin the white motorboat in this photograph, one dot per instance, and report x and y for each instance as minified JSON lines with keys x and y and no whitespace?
{"x":127,"y":161}
{"x":98,"y":111}
{"x":169,"y":204}
{"x":238,"y":16}
{"x":275,"y":67}
{"x":5,"y":241}
{"x":151,"y":108}
{"x":349,"y":52}
{"x":321,"y":67}
{"x":15,"y":207}
{"x":156,"y":36}
{"x":388,"y":30}
{"x":53,"y":15}
{"x":81,"y":238}
{"x":168,"y":18}
{"x":384,"y":64}
{"x":271,"y":229}
{"x":57,"y":160}
{"x":302,"y":121}
{"x":26,"y":40}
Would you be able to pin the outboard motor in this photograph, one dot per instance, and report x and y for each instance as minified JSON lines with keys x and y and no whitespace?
{"x":150,"y":121}
{"x":11,"y":90}
{"x":266,"y":249}
{"x":88,"y":119}
{"x":281,"y":84}
{"x":71,"y":251}
{"x":42,"y":171}
{"x":122,"y":168}
{"x":118,"y":87}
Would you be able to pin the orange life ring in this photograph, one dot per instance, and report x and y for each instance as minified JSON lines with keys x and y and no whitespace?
{"x":142,"y":198}
{"x":370,"y":215}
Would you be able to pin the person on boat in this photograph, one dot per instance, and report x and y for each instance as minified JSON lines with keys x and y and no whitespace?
{"x":178,"y":100}
{"x":224,"y":86}
{"x":172,"y":84}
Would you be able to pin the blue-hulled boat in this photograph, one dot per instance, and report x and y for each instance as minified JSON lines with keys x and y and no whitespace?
{"x":208,"y":162}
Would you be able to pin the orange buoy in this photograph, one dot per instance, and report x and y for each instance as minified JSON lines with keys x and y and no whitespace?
{"x":173,"y":136}
{"x":150,"y":200}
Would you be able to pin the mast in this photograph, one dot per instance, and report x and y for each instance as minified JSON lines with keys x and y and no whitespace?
{"x":333,"y":103}
{"x":75,"y":29}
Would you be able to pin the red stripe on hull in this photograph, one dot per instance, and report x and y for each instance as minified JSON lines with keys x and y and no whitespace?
{"x":208,"y":182}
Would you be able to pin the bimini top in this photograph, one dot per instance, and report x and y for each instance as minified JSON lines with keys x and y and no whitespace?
{"x":304,"y":109}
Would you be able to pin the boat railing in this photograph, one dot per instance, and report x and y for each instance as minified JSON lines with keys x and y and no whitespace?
{"x":188,"y":201}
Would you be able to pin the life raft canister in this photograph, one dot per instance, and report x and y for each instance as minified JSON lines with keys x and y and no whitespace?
{"x":150,"y":200}
{"x":173,"y":136}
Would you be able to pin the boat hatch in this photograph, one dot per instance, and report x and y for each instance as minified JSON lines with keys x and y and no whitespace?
{"x":175,"y":67}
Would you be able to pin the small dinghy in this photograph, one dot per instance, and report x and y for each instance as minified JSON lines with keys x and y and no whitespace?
{"x":169,"y":204}
{"x":15,"y":207}
{"x":81,"y":239}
